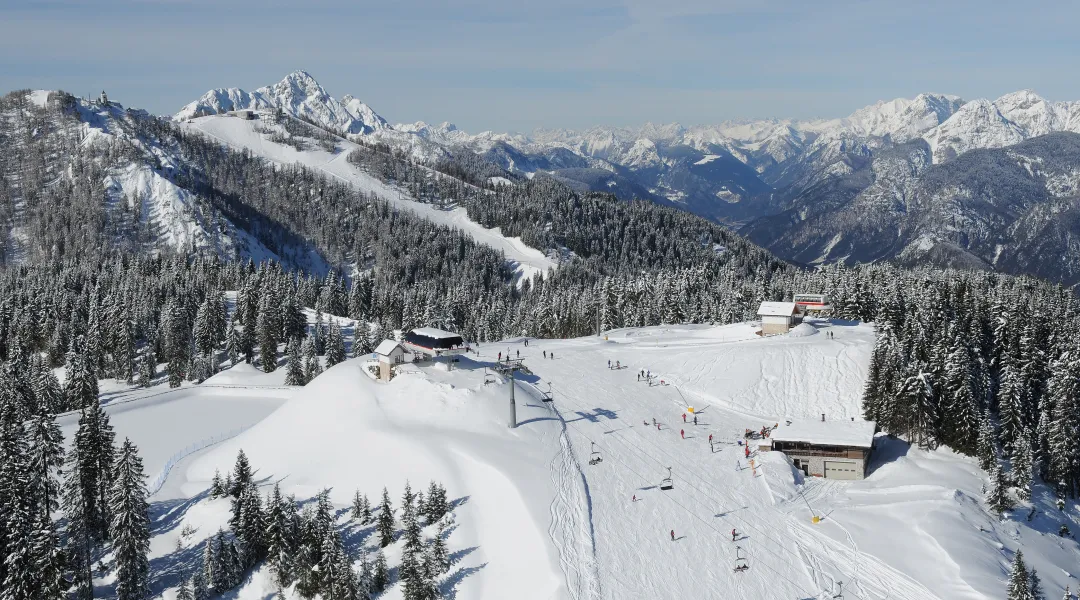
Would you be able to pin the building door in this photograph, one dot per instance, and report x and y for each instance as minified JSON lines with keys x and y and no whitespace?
{"x":840,"y":469}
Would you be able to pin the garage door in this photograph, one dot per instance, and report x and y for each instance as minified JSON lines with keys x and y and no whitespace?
{"x":840,"y":469}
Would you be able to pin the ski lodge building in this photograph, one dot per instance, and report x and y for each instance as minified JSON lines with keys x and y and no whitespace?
{"x":389,"y":354}
{"x":433,"y":342}
{"x":829,"y":449}
{"x":778,"y":317}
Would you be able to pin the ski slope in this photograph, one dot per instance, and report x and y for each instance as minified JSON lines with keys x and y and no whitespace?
{"x":241,"y":134}
{"x":534,"y":519}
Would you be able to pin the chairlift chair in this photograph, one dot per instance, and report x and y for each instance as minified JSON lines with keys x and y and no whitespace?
{"x":666,"y":483}
{"x":595,"y":457}
{"x":741,"y":564}
{"x":546,"y":396}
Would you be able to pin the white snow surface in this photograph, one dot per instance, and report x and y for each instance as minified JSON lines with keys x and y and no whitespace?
{"x":241,"y":134}
{"x":855,"y":433}
{"x":536,"y":520}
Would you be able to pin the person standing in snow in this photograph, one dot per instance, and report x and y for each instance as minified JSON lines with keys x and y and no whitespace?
{"x":746,"y":449}
{"x":673,"y":535}
{"x":500,"y":357}
{"x":639,"y":377}
{"x":609,"y":364}
{"x":682,"y":434}
{"x":552,"y":356}
{"x":695,"y":419}
{"x":654,"y":420}
{"x":617,"y":365}
{"x":733,"y":535}
{"x":710,"y":438}
{"x":519,"y":353}
{"x":545,"y":353}
{"x":658,"y":427}
{"x":634,"y":499}
{"x":684,"y":417}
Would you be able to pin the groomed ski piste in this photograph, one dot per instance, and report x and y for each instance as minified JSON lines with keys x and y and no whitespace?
{"x":534,"y":519}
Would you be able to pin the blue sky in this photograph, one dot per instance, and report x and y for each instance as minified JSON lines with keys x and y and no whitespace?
{"x":556,"y":63}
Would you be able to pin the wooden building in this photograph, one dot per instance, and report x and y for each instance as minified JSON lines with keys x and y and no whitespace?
{"x":389,"y":353}
{"x":778,"y":317}
{"x":829,"y":449}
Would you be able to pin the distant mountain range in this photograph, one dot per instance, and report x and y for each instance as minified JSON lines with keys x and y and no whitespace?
{"x":928,"y":180}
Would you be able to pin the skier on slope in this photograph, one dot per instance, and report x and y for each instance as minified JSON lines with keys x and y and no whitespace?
{"x":634,"y":499}
{"x":733,"y":535}
{"x":684,"y":417}
{"x":746,"y":449}
{"x":617,"y":365}
{"x":695,"y":419}
{"x":500,"y":357}
{"x":682,"y":434}
{"x":710,"y":438}
{"x":673,"y":535}
{"x":609,"y":364}
{"x":545,"y":353}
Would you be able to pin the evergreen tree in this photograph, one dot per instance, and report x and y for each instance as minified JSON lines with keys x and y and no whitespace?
{"x":47,"y":390}
{"x":1019,"y":587}
{"x":312,"y":366}
{"x":184,"y":592}
{"x":269,"y":328}
{"x":76,"y":502}
{"x":997,"y":497}
{"x":385,"y":521}
{"x":147,"y":366}
{"x":295,"y":373}
{"x":45,"y":459}
{"x":411,"y":572}
{"x":241,"y":475}
{"x":81,"y":387}
{"x":94,"y":439}
{"x":436,"y":557}
{"x":279,"y":540}
{"x":199,"y":590}
{"x":362,"y":344}
{"x":17,"y":510}
{"x":335,"y":345}
{"x":358,"y":506}
{"x":1035,"y":586}
{"x":130,"y":527}
{"x":380,"y":575}
{"x":217,"y":486}
{"x":210,"y":576}
{"x":1022,"y":466}
{"x":987,"y":447}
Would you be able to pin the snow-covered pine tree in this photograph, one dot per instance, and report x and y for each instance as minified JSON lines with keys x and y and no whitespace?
{"x":147,"y":366}
{"x":335,"y":345}
{"x":217,"y":486}
{"x":362,"y":344}
{"x":184,"y":592}
{"x":1019,"y":586}
{"x":280,"y":544}
{"x":47,"y":391}
{"x":357,"y":510}
{"x":363,"y":575}
{"x":209,"y":565}
{"x":411,"y":572}
{"x":987,"y":445}
{"x":130,"y":526}
{"x":312,"y":366}
{"x":249,"y":526}
{"x":45,"y":456}
{"x":95,"y":439}
{"x":294,"y":374}
{"x":1035,"y":586}
{"x":380,"y":575}
{"x":385,"y":520}
{"x":199,"y":590}
{"x":77,"y":497}
{"x":48,"y":561}
{"x":1062,"y":440}
{"x":17,"y":509}
{"x":437,"y":505}
{"x":241,"y":475}
{"x":221,"y":569}
{"x":1022,"y":466}
{"x":997,"y":497}
{"x":269,"y":331}
{"x":81,"y":387}
{"x":436,"y":556}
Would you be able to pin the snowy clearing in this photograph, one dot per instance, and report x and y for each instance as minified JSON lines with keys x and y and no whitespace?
{"x":534,"y":519}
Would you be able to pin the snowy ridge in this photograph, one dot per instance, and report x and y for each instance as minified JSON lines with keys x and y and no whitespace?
{"x":241,"y":134}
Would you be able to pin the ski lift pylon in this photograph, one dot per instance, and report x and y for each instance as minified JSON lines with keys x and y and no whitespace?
{"x":546,"y":396}
{"x":666,"y":483}
{"x":595,"y":457}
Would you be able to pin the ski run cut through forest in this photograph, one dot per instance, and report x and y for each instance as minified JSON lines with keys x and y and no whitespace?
{"x":208,"y":388}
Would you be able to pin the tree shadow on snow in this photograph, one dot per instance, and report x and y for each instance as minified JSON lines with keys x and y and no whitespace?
{"x":166,"y":515}
{"x":449,"y":587}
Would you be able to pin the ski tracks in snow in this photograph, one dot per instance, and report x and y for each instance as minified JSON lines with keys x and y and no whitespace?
{"x":571,"y":522}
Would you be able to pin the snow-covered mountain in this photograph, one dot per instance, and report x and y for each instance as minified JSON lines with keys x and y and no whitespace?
{"x":1008,"y":120}
{"x":298,"y":95}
